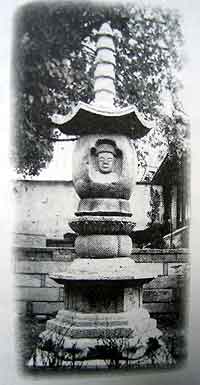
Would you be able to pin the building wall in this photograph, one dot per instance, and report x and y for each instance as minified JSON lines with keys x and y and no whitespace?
{"x":44,"y":207}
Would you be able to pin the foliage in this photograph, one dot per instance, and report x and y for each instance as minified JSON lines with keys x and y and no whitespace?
{"x":156,"y":230}
{"x":151,"y":237}
{"x":27,"y":332}
{"x":51,"y":352}
{"x":154,"y":212}
{"x":119,"y":351}
{"x":114,"y":348}
{"x":54,"y":52}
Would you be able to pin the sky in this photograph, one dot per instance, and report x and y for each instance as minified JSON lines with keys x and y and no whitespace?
{"x":190,"y":10}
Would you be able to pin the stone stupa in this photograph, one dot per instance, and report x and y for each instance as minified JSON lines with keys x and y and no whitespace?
{"x":103,"y":286}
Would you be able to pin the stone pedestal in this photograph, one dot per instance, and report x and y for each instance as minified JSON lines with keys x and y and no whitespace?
{"x":102,"y":308}
{"x":89,"y":330}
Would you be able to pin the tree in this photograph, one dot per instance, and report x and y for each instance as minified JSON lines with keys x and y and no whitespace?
{"x":153,"y":214}
{"x":53,"y":54}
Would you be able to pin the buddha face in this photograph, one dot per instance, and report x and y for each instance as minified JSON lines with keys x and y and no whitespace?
{"x":105,"y":161}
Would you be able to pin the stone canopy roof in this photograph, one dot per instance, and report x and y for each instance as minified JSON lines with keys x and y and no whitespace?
{"x":90,"y":119}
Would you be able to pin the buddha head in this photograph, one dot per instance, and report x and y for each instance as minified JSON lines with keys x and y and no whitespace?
{"x":105,"y":154}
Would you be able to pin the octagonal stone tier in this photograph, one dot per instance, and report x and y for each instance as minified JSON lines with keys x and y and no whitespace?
{"x":113,"y":269}
{"x":102,"y":225}
{"x":103,"y":286}
{"x":86,"y":325}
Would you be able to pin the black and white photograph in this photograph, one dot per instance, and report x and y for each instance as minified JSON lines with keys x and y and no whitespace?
{"x":100,"y":189}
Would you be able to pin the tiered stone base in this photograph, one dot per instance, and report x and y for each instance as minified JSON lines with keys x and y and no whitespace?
{"x":96,"y":338}
{"x":103,"y":318}
{"x":78,"y":327}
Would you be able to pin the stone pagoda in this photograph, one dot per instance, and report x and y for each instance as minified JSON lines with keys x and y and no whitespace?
{"x":103,"y":286}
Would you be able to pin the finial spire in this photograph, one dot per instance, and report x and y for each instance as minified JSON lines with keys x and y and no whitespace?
{"x":101,"y":115}
{"x":104,"y":75}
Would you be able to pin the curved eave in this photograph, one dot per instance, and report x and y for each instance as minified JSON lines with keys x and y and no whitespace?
{"x":88,"y":119}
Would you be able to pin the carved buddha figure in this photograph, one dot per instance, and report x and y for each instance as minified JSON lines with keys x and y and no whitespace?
{"x":105,"y":162}
{"x":105,"y":158}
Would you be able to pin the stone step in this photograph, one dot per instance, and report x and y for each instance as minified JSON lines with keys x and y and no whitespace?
{"x":71,"y":316}
{"x":91,"y":323}
{"x":88,"y":332}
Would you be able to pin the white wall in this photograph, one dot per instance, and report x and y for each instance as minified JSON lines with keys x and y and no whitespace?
{"x":44,"y":207}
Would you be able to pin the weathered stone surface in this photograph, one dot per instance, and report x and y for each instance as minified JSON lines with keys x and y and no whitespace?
{"x":95,"y":298}
{"x":102,"y":225}
{"x":39,"y":294}
{"x":103,"y":246}
{"x":91,"y":182}
{"x":102,"y":206}
{"x":132,"y":298}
